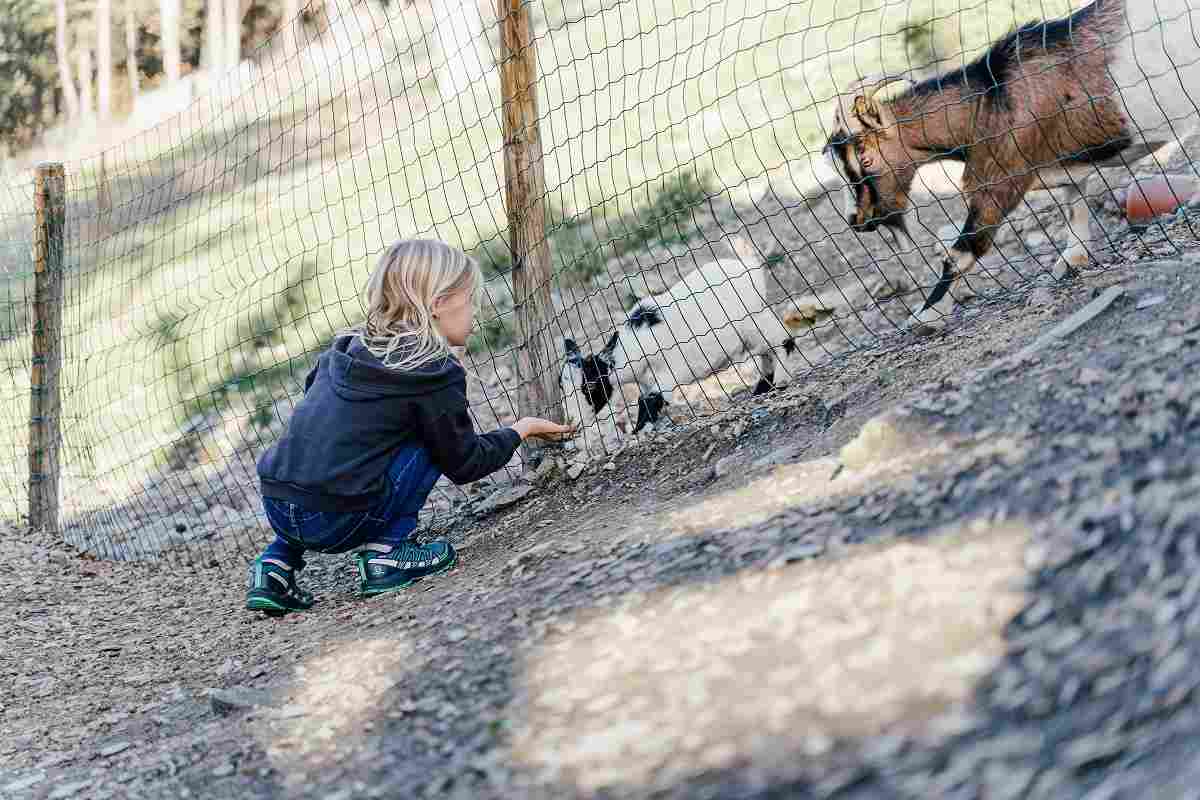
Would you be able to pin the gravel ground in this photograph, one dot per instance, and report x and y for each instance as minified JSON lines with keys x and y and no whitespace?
{"x":933,"y":570}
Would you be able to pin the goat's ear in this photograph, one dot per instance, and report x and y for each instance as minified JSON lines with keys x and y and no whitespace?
{"x":612,"y":343}
{"x":574,"y":357}
{"x":872,"y":113}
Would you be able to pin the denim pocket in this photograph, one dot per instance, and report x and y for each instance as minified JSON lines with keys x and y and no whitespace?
{"x":302,"y":517}
{"x":279,"y":514}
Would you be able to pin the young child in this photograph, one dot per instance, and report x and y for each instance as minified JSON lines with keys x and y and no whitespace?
{"x":384,"y":415}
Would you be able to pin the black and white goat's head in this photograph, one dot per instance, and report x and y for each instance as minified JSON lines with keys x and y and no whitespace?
{"x":592,"y":378}
{"x":866,"y":149}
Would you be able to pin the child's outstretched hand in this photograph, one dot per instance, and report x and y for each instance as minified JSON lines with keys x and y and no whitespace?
{"x":543,"y":429}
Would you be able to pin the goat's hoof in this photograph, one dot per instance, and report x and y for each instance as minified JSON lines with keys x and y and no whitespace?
{"x":762,"y":387}
{"x":928,"y":321}
{"x":1069,"y":266}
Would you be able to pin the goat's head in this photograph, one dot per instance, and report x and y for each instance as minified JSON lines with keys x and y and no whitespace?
{"x":866,"y":150}
{"x":591,"y":375}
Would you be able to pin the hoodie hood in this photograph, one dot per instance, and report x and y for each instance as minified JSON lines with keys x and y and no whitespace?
{"x":357,"y":374}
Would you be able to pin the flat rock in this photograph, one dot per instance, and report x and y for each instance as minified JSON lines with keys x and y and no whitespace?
{"x":69,"y":790}
{"x":237,"y":699}
{"x":20,"y":784}
{"x":113,"y":748}
{"x":503,"y":498}
{"x":1150,"y":299}
{"x":799,"y":553}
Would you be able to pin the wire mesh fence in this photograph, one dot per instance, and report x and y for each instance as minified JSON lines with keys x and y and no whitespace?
{"x":694,"y":221}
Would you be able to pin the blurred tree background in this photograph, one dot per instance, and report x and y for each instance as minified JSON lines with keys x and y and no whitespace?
{"x":90,"y":59}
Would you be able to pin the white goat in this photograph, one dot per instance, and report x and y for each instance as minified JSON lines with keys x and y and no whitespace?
{"x":719,"y":314}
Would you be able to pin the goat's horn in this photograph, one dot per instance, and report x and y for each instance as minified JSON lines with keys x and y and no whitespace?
{"x":884,"y":81}
{"x":876,"y":82}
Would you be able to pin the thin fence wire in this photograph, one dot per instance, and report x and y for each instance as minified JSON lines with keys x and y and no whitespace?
{"x":210,"y":258}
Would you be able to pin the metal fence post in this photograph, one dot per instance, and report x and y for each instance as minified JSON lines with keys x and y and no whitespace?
{"x":45,"y":397}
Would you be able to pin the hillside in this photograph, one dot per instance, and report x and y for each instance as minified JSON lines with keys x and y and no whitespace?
{"x":953,"y":560}
{"x":211,"y":256}
{"x":991,"y":597}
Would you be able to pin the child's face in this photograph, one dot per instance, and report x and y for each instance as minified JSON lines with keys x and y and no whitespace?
{"x":454,"y":315}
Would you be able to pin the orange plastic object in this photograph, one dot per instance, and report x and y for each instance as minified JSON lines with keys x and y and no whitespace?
{"x":1152,"y":197}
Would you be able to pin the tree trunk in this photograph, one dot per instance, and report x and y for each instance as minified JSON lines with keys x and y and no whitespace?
{"x":131,"y":62}
{"x":214,"y":39}
{"x":169,"y":13}
{"x":104,"y":62}
{"x":87,"y":106}
{"x":62,"y":51}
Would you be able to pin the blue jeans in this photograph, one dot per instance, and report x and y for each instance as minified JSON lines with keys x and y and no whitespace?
{"x":391,"y":521}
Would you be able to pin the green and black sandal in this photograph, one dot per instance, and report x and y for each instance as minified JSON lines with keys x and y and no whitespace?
{"x":384,"y":568}
{"x":273,"y":589}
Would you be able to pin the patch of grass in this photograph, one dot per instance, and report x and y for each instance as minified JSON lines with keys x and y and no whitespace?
{"x":575,"y":254}
{"x":929,"y":43}
{"x":581,"y":244}
{"x":495,"y":332}
{"x":252,"y":378}
{"x":578,"y":256}
{"x":493,"y":255}
{"x":666,"y":215}
{"x":663,"y":216}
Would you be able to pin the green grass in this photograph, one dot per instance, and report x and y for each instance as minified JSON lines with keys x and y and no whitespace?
{"x":580,"y":244}
{"x":496,"y":330}
{"x":282,"y":200}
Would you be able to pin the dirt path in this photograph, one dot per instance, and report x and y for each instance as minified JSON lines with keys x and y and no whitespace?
{"x":992,"y":592}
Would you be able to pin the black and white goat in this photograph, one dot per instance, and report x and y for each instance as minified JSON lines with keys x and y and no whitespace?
{"x":718,"y":315}
{"x":1040,"y":109}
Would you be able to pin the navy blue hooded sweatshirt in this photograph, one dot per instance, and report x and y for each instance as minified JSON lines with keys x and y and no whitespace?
{"x":357,"y":413}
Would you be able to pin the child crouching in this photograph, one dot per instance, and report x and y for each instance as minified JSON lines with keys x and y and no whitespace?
{"x":384,"y":415}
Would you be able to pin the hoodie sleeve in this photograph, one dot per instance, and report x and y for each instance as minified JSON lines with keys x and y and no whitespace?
{"x":455,"y":448}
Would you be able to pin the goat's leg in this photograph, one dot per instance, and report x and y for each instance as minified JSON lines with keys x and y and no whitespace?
{"x":990,"y":202}
{"x":1079,"y":236}
{"x":766,"y":373}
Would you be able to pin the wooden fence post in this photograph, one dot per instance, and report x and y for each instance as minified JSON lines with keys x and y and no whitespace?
{"x":49,"y":200}
{"x":524,"y":191}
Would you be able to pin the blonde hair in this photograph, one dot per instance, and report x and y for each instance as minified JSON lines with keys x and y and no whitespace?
{"x":410,"y":277}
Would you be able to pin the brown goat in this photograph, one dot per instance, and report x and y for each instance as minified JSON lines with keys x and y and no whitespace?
{"x":1044,"y":105}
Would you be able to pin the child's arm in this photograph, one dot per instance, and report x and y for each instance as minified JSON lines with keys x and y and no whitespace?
{"x":458,"y":451}
{"x":542,"y":429}
{"x":463,"y":455}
